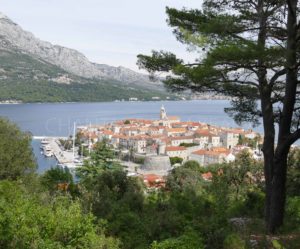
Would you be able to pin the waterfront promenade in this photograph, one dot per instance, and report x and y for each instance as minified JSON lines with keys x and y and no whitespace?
{"x":63,"y":157}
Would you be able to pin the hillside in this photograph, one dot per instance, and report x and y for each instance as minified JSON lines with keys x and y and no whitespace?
{"x":36,"y":71}
{"x":27,"y":79}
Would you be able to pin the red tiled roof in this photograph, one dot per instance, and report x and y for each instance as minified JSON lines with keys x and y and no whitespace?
{"x":152,"y":177}
{"x":214,"y":152}
{"x":118,"y":136}
{"x":176,"y":130}
{"x":202,"y":132}
{"x":207,"y":176}
{"x":107,"y":132}
{"x":199,"y":152}
{"x":152,"y":180}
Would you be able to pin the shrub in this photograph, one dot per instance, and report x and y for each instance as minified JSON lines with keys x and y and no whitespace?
{"x":233,"y":241}
{"x":16,"y":157}
{"x":187,"y":241}
{"x":30,"y":221}
{"x":175,"y":160}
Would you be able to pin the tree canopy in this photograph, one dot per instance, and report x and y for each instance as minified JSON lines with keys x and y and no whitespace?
{"x":102,"y":158}
{"x":112,"y":210}
{"x":33,"y":221}
{"x":16,"y":157}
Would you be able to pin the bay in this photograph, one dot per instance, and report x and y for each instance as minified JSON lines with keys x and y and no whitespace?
{"x":57,"y":119}
{"x":53,"y":119}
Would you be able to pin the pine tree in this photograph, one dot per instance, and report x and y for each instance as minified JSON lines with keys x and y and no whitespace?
{"x":102,"y":158}
{"x":248,"y":50}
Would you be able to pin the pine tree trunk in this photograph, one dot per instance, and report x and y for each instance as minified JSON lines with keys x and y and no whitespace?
{"x":267,"y":111}
{"x":277,"y":189}
{"x":268,"y":164}
{"x":278,"y":194}
{"x":268,"y":150}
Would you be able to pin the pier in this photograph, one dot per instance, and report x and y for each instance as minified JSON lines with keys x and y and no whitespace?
{"x":63,"y":157}
{"x":47,"y":137}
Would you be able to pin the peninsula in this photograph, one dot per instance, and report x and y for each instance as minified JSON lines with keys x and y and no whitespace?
{"x":156,"y":146}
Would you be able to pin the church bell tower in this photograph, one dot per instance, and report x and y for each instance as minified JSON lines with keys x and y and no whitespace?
{"x":163,"y":113}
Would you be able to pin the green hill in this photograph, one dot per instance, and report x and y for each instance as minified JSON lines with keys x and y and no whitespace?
{"x":29,"y":79}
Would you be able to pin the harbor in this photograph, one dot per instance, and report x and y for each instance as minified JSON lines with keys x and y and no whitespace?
{"x":155,"y":146}
{"x":52,"y":147}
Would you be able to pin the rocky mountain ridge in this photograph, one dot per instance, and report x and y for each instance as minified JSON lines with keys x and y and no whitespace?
{"x":13,"y":37}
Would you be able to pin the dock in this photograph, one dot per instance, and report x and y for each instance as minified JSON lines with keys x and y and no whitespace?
{"x":63,"y":157}
{"x":47,"y":137}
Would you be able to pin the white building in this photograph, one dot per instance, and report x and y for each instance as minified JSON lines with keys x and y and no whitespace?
{"x":217,"y":156}
{"x":250,"y":134}
{"x":215,"y":140}
{"x":229,"y":139}
{"x":177,"y":151}
{"x":138,"y":144}
{"x":172,"y":132}
{"x":176,"y":141}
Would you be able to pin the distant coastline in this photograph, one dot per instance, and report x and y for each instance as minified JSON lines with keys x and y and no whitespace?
{"x":15,"y":102}
{"x":10,"y":102}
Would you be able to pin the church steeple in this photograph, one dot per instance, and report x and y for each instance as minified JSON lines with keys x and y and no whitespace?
{"x":163,"y":113}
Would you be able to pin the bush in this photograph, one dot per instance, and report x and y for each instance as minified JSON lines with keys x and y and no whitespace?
{"x":58,"y":179}
{"x":175,"y":160}
{"x":16,"y":157}
{"x":139,"y":160}
{"x":255,"y":203}
{"x":188,"y":144}
{"x":189,"y":240}
{"x":293,"y":213}
{"x":193,"y":165}
{"x":233,"y":241}
{"x":252,"y":206}
{"x":27,"y":221}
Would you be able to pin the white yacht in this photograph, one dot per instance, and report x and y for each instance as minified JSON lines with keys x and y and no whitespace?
{"x":44,"y":141}
{"x":48,"y":152}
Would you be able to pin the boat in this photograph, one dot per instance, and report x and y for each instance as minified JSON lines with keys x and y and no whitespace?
{"x":77,"y":161}
{"x":48,"y":152}
{"x":44,"y":141}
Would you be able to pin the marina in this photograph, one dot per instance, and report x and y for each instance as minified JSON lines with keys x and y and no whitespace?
{"x":51,"y":147}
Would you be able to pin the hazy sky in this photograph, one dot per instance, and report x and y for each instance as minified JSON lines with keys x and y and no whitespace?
{"x":106,"y":31}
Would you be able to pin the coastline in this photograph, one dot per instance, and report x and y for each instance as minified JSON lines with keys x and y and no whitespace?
{"x":57,"y":119}
{"x":6,"y":102}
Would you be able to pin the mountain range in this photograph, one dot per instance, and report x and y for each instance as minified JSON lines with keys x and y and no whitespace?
{"x":32,"y":70}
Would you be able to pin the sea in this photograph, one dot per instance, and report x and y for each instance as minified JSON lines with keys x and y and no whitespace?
{"x":57,"y":119}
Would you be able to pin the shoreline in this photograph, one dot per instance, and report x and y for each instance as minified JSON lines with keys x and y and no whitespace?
{"x":113,"y":101}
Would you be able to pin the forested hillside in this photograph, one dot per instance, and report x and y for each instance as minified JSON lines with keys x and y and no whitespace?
{"x":27,"y":79}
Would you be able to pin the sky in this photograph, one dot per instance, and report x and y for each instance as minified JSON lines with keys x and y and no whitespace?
{"x":110,"y":32}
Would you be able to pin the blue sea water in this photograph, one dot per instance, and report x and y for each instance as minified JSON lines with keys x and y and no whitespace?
{"x":57,"y":119}
{"x":44,"y":163}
